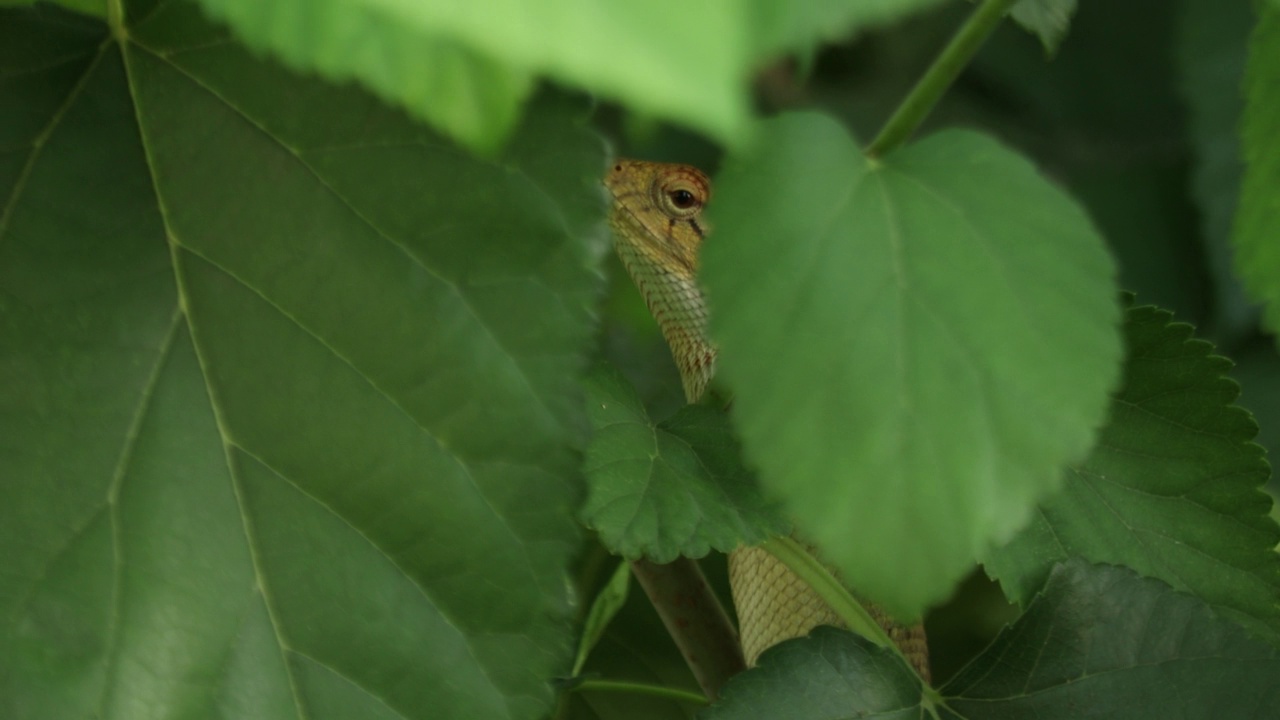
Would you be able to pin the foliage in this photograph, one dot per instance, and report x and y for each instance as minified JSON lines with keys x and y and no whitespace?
{"x":1170,"y":490}
{"x":668,"y":489}
{"x":908,"y":250}
{"x":1257,"y":226}
{"x":1085,"y":647}
{"x":296,"y":397}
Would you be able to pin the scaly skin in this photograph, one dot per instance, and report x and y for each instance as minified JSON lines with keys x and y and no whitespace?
{"x":659,"y":230}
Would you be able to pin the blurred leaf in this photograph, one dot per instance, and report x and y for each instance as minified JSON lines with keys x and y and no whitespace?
{"x":867,"y":314}
{"x":1258,"y":218}
{"x":466,"y":67}
{"x":470,"y":95}
{"x":1172,"y":489}
{"x":1211,"y":47}
{"x":1046,"y":19}
{"x":1099,"y":642}
{"x":97,"y":8}
{"x":608,"y":602}
{"x":1104,"y":119}
{"x":671,"y":489}
{"x":289,"y":386}
{"x":795,"y":26}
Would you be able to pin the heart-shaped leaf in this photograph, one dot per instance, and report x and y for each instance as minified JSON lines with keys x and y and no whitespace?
{"x":960,"y":313}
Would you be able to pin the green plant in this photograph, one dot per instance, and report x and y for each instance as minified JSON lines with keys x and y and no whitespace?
{"x":295,"y":386}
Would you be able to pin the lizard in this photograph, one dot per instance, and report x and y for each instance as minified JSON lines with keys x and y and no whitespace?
{"x":658,"y":227}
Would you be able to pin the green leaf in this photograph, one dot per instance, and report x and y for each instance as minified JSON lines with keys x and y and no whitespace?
{"x":289,"y":396}
{"x":1097,"y":642}
{"x":916,"y":345}
{"x":1172,"y":489}
{"x":608,"y":602}
{"x":671,"y":489}
{"x":1046,"y":19}
{"x":635,"y":647}
{"x":831,"y":674}
{"x":1102,"y":642}
{"x":1258,"y":217}
{"x":466,"y":67}
{"x":472,"y":96}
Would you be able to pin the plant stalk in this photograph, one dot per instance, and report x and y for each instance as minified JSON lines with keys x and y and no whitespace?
{"x":640,"y":689}
{"x":116,"y":19}
{"x":935,"y":81}
{"x":695,"y":619}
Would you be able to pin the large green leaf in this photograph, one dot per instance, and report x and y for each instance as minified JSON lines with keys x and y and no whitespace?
{"x":1258,"y":217}
{"x":465,"y":66}
{"x":669,"y":489}
{"x":1099,"y":642}
{"x":288,"y":399}
{"x":1172,"y":489}
{"x":916,"y":344}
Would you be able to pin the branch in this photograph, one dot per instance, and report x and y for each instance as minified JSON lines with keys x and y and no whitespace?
{"x":695,"y":619}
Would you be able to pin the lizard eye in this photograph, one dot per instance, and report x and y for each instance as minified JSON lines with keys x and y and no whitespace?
{"x":682,"y":199}
{"x":679,"y":197}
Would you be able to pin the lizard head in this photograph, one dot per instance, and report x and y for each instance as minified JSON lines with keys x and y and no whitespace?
{"x":659,"y":207}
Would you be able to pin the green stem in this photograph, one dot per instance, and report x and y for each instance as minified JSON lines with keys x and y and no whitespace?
{"x":944,"y":70}
{"x":115,"y":18}
{"x":799,"y":561}
{"x":640,"y":689}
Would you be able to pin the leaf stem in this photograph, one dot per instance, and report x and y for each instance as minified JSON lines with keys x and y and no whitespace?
{"x":116,"y":19}
{"x":807,"y":567}
{"x":640,"y":689}
{"x":935,"y":81}
{"x":695,"y":619}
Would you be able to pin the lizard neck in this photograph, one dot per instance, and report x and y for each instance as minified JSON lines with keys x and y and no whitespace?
{"x":676,"y":303}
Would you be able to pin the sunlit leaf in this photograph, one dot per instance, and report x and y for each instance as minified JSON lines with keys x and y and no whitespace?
{"x":466,"y":66}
